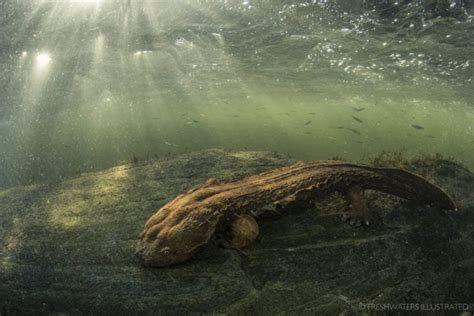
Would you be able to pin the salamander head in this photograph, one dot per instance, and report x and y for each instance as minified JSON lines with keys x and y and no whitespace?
{"x":159,"y":252}
{"x":173,"y":234}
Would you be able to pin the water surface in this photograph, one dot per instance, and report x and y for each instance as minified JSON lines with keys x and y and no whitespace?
{"x":89,"y":84}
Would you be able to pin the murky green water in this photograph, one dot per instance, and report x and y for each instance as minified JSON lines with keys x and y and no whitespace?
{"x":87,"y":84}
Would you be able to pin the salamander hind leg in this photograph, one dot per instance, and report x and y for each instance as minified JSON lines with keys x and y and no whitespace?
{"x":358,"y":212}
{"x":240,"y":232}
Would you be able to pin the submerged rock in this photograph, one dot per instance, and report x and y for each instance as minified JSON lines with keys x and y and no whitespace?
{"x":69,"y":247}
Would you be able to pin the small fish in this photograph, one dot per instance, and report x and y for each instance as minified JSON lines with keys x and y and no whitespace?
{"x":307,"y":123}
{"x":192,"y":122}
{"x":171,"y":144}
{"x":312,"y":113}
{"x":419,"y":127}
{"x":357,"y":119}
{"x":430,"y":136}
{"x":353,"y":130}
{"x":357,"y":109}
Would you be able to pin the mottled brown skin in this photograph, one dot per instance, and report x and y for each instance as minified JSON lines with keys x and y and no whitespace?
{"x":179,"y":228}
{"x":240,"y":233}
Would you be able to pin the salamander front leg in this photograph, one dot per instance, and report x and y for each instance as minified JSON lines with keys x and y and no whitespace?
{"x":240,"y":232}
{"x":358,"y":212}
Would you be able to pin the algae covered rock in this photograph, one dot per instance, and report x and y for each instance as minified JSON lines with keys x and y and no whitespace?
{"x":69,"y":247}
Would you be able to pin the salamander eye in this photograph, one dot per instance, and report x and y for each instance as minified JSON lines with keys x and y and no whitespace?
{"x":165,"y":251}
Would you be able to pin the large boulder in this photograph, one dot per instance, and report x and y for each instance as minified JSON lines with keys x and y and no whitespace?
{"x":69,"y":247}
